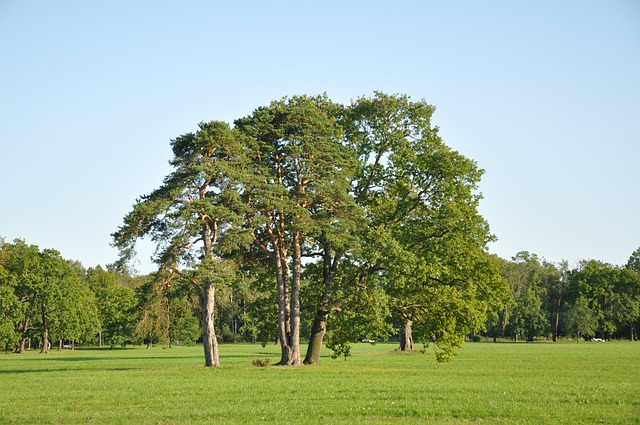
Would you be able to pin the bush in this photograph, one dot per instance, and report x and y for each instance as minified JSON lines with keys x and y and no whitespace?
{"x":261,"y":362}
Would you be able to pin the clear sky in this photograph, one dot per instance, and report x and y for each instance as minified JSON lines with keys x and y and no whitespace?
{"x":544,"y":95}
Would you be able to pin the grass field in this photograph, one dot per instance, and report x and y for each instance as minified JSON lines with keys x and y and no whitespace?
{"x":487,"y":383}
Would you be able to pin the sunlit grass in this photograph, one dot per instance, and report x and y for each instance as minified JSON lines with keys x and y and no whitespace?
{"x":488,"y":383}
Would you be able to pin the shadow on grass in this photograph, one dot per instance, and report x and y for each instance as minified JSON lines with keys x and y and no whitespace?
{"x":27,"y":371}
{"x":108,"y":358}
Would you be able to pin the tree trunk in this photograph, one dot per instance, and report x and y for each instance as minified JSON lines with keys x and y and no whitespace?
{"x":209,"y":340}
{"x":284,"y":326}
{"x":60,"y":345}
{"x":557,"y":320}
{"x":45,"y":334}
{"x":295,"y":301}
{"x":318,"y":330}
{"x":319,"y":327}
{"x":22,"y":328}
{"x":406,"y":338}
{"x":45,"y":341}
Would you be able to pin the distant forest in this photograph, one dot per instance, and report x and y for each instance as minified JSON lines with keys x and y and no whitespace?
{"x":45,"y":296}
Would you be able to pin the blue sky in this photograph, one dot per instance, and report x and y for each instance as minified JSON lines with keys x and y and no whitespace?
{"x":544,"y":95}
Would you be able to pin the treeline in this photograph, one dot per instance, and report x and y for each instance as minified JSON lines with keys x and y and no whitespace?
{"x":45,"y":299}
{"x":592,"y":299}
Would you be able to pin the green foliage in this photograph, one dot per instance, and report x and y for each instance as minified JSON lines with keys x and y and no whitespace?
{"x":528,"y":318}
{"x":580,"y":319}
{"x":634,"y":261}
{"x":362,"y":315}
{"x":595,"y":281}
{"x":10,"y":311}
{"x":546,"y":296}
{"x":420,"y":238}
{"x":43,"y":296}
{"x":261,"y":362}
{"x":115,"y":304}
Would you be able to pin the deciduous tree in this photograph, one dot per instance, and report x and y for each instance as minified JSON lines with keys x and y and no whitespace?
{"x":115,"y":304}
{"x":580,"y":319}
{"x":422,"y":235}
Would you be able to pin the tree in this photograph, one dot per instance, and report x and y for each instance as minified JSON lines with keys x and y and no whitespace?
{"x":74,"y":315}
{"x":41,"y":293}
{"x":631,"y":294}
{"x":193,"y":217}
{"x":22,"y":263}
{"x":420,"y":238}
{"x":49,"y":293}
{"x":115,"y":304}
{"x":626,"y":302}
{"x":154,"y":321}
{"x":303,"y":171}
{"x":634,"y":261}
{"x":580,"y":319}
{"x":525,"y":315}
{"x":528,"y":317}
{"x":556,"y":283}
{"x":595,"y":281}
{"x":10,"y":309}
{"x":166,"y":313}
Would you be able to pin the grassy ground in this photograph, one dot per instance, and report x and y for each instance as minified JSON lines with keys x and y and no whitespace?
{"x":487,"y":383}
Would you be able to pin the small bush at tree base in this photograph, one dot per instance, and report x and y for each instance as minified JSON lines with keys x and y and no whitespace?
{"x":261,"y":362}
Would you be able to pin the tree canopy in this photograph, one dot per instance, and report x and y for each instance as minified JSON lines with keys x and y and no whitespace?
{"x":384,"y":210}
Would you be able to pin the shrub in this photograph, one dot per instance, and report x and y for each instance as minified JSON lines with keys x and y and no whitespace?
{"x":261,"y":362}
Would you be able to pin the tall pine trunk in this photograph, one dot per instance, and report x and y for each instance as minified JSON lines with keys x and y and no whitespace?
{"x":295,"y":300}
{"x":209,"y":340}
{"x":284,"y":326}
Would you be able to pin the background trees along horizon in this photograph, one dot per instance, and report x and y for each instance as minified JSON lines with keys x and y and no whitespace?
{"x":310,"y":220}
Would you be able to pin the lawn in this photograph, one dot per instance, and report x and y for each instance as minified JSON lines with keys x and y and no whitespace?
{"x":486,"y":383}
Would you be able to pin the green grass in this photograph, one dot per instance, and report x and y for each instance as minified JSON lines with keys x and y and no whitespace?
{"x":487,"y":383}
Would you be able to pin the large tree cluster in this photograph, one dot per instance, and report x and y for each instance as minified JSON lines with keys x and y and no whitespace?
{"x":353,"y":220}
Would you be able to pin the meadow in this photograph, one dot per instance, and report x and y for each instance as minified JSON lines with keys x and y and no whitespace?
{"x":506,"y":383}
